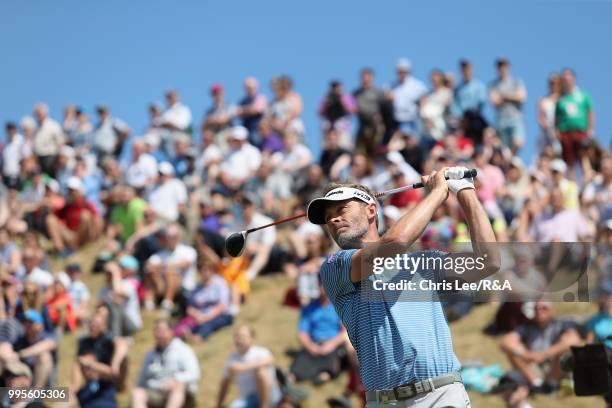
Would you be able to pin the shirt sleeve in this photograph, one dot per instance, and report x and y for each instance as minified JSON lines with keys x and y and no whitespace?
{"x":190,"y":373}
{"x":336,"y":275}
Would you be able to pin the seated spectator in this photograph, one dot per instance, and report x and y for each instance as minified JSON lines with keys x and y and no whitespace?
{"x":10,"y":253}
{"x":127,"y":214}
{"x":170,"y":372}
{"x":96,"y":391}
{"x":260,"y":243}
{"x":297,"y":155}
{"x":240,"y":163}
{"x":568,"y":188}
{"x":322,"y":337}
{"x":36,"y":348}
{"x":599,"y":327}
{"x":273,"y":185}
{"x":78,"y":291}
{"x":60,"y":305}
{"x":208,"y":309}
{"x":76,"y":223}
{"x":121,"y":297}
{"x":597,"y":195}
{"x":177,"y":116}
{"x":15,"y":374}
{"x":169,"y":196}
{"x":32,"y":298}
{"x":535,"y":349}
{"x":171,"y":272}
{"x":32,"y":272}
{"x":10,"y":327}
{"x":142,"y":172}
{"x":334,"y":158}
{"x":251,"y":368}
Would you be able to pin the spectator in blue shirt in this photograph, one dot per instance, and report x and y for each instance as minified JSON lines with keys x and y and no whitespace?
{"x":599,"y":327}
{"x":322,"y":337}
{"x":470,"y":94}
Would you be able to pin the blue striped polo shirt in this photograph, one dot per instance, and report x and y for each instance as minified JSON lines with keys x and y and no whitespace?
{"x":398,"y":340}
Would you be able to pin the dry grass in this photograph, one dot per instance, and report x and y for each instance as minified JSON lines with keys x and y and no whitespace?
{"x":276,"y":329}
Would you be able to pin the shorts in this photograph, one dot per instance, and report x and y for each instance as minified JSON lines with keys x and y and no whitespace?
{"x":157,"y":399}
{"x":511,"y":132}
{"x":571,"y":143}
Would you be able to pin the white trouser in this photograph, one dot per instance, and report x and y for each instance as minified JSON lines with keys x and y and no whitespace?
{"x":449,"y":396}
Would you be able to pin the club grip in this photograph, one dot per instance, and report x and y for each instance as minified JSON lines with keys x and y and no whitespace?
{"x":471,"y":173}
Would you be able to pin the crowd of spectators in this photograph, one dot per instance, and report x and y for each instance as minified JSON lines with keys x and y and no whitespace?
{"x":161,"y":201}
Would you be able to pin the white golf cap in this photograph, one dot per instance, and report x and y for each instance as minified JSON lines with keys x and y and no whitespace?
{"x":239,"y":133}
{"x":316,"y":208}
{"x":404,"y":64}
{"x":558,"y":165}
{"x":165,"y":168}
{"x":392,"y":212}
{"x":75,"y":183}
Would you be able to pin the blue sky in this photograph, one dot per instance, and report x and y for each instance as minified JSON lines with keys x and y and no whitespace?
{"x":125,"y":53}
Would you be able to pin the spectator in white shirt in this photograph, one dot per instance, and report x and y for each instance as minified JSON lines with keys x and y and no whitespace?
{"x":110,"y":133}
{"x":170,"y":372}
{"x":297,"y":155}
{"x":142,"y":170}
{"x":242,"y":161}
{"x":78,"y":291}
{"x":251,"y":368}
{"x":31,"y":272}
{"x":28,"y":127}
{"x":260,"y":243}
{"x":406,"y":95}
{"x":12,"y":155}
{"x":48,"y":139}
{"x":171,"y":270}
{"x":169,"y":197}
{"x":177,"y":116}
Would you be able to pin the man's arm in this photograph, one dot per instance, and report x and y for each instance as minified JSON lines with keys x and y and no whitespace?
{"x":223,"y":388}
{"x":38,"y":348}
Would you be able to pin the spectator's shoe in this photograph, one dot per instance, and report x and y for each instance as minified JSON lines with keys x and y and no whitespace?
{"x":167,"y":306}
{"x":149,"y":305}
{"x":546,"y":388}
{"x":65,"y":253}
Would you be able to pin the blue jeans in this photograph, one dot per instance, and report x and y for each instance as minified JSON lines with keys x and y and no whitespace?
{"x":206,"y":329}
{"x":250,"y":401}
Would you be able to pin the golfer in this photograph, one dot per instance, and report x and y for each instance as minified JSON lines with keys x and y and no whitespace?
{"x":404,"y":348}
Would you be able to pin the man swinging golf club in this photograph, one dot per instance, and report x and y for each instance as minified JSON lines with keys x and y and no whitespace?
{"x":404,"y":348}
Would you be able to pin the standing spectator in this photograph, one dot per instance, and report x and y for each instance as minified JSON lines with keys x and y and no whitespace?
{"x":597,"y":195}
{"x":12,"y":153}
{"x":406,"y":95}
{"x":48,"y":139}
{"x":471,"y":94}
{"x":574,"y":119}
{"x":546,"y":115}
{"x":251,"y":368}
{"x":76,"y":223}
{"x":170,"y":372}
{"x":169,"y":196}
{"x":219,"y":116}
{"x":252,"y":108}
{"x":369,"y":100}
{"x":336,"y":110}
{"x":110,"y":133}
{"x":434,"y":107}
{"x":28,"y":126}
{"x":508,"y":95}
{"x":177,"y":116}
{"x":208,"y":309}
{"x":171,"y":271}
{"x":286,"y":110}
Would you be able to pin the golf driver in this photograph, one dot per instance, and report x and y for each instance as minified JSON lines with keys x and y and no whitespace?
{"x":236,"y":242}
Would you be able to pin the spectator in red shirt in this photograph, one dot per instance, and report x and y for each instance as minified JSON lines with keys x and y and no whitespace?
{"x":76,"y":223}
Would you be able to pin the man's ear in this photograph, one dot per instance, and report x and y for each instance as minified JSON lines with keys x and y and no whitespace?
{"x":371,"y":211}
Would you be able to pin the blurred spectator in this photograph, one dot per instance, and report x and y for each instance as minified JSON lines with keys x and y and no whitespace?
{"x":597,"y":195}
{"x":335,"y":111}
{"x":219,"y":116}
{"x":286,"y":109}
{"x":177,"y":116}
{"x":574,"y":119}
{"x":142,"y":171}
{"x":171,"y":272}
{"x":241,"y":162}
{"x":251,"y":368}
{"x":76,"y":223}
{"x":120,"y":297}
{"x":490,"y":181}
{"x":208,"y":308}
{"x":322,"y":338}
{"x":260,"y":243}
{"x":48,"y":139}
{"x":127,"y":214}
{"x":12,"y":154}
{"x":78,"y":291}
{"x":10,"y":253}
{"x":271,"y":141}
{"x":569,"y":189}
{"x":599,"y":327}
{"x":59,"y":305}
{"x":31,"y":272}
{"x":36,"y":348}
{"x":252,"y":108}
{"x":170,"y":372}
{"x":273,"y":185}
{"x":334,"y":158}
{"x":78,"y":127}
{"x":508,"y":95}
{"x":471,"y":94}
{"x":406,"y":95}
{"x":110,"y":133}
{"x":168,"y":198}
{"x":369,"y":100}
{"x":546,"y":115}
{"x":96,"y":391}
{"x":296,"y":158}
{"x":15,"y":375}
{"x":434,"y":106}
{"x":514,"y":390}
{"x":534,"y":349}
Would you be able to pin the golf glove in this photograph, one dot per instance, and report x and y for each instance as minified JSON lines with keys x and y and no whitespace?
{"x":456,"y":182}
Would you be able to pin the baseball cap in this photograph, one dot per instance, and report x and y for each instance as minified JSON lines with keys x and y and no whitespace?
{"x":75,"y":183}
{"x":558,"y":165}
{"x":216,"y":88}
{"x":129,"y":262}
{"x":316,"y":208}
{"x":17,"y":368}
{"x":33,"y":316}
{"x":239,"y":133}
{"x":404,"y":64}
{"x":165,"y":168}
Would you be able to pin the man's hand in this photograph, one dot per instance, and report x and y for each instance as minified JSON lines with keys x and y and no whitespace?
{"x":456,"y":182}
{"x":436,"y":182}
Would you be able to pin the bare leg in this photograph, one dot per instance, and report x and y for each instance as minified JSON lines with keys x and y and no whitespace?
{"x":42,"y":371}
{"x":264,"y":387}
{"x":173,"y":282}
{"x":139,"y":398}
{"x":54,"y":227}
{"x":176,"y":396}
